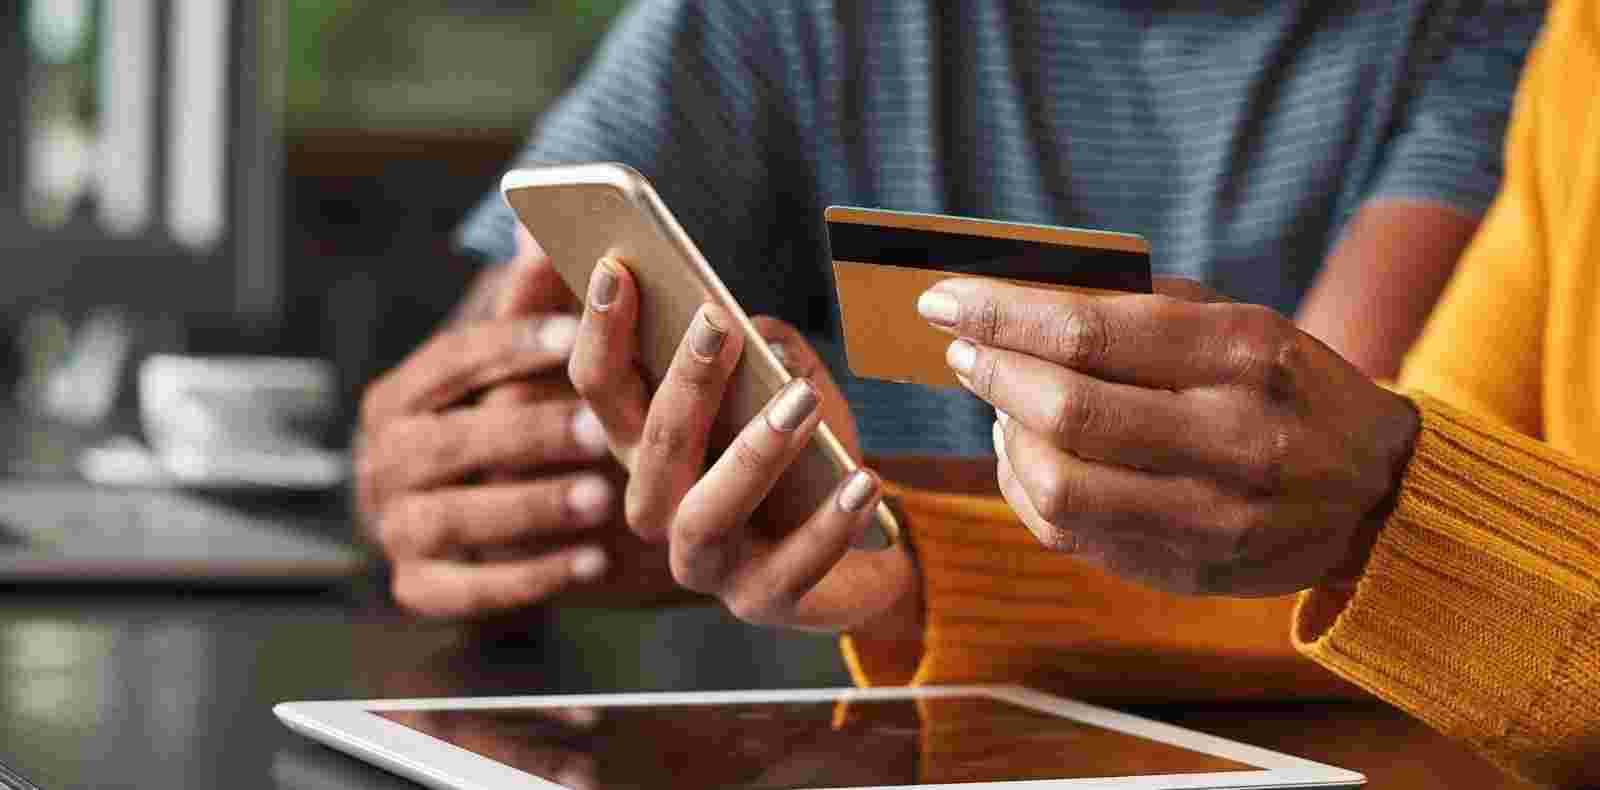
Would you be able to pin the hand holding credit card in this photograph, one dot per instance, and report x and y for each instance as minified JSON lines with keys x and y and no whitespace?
{"x":884,"y":260}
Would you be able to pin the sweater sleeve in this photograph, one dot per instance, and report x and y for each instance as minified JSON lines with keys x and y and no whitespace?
{"x":1478,"y":609}
{"x":1000,"y":608}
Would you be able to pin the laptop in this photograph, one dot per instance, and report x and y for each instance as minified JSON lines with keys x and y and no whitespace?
{"x":951,"y":737}
{"x":68,"y":531}
{"x":85,"y":503}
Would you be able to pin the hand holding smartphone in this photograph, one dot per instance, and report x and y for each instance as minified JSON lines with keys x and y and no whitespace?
{"x":582,"y":213}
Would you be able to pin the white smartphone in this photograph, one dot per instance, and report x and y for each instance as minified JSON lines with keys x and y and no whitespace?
{"x":582,"y":213}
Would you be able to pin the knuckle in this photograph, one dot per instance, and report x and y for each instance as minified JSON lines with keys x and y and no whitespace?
{"x":416,"y":526}
{"x":987,"y":321}
{"x":499,"y":360}
{"x":1055,"y":498}
{"x":1272,"y":461}
{"x":414,"y":444}
{"x":749,"y":457}
{"x":1072,"y":417}
{"x":667,"y":440}
{"x":532,"y":432}
{"x":696,"y":375}
{"x":588,"y":379}
{"x":1079,"y":337}
{"x":986,"y":371}
{"x":757,"y":609}
{"x":698,"y":556}
{"x":1159,"y":308}
{"x":481,"y":352}
{"x":693,"y":567}
{"x":414,"y":595}
{"x":1267,"y":351}
{"x":641,"y":511}
{"x":1265,"y":456}
{"x":1057,"y":538}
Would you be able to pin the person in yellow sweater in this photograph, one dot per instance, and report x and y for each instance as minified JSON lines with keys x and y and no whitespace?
{"x":1444,"y":536}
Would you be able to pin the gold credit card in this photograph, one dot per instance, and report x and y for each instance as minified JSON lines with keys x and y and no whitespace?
{"x":884,"y":260}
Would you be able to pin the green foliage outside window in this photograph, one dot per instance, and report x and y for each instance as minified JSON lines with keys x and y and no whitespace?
{"x":433,"y":64}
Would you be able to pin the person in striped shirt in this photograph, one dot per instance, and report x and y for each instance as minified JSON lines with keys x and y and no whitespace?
{"x":1325,"y":158}
{"x":1443,"y":536}
{"x":1329,"y":159}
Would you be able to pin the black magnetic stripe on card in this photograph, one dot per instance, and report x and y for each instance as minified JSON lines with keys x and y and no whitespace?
{"x":1019,"y":259}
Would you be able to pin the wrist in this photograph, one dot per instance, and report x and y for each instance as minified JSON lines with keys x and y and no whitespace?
{"x":901,"y":619}
{"x":887,"y":649}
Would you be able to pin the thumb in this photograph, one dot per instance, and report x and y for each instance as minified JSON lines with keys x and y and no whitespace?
{"x":531,"y":285}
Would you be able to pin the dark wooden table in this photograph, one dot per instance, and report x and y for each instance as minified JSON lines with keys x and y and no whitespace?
{"x":156,"y":688}
{"x":142,"y":688}
{"x":119,"y":688}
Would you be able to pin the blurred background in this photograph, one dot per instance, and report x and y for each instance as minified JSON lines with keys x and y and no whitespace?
{"x":264,"y":177}
{"x":271,"y":178}
{"x":219,"y":219}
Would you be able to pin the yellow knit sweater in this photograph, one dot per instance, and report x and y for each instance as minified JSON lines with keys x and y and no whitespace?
{"x":1479,"y":611}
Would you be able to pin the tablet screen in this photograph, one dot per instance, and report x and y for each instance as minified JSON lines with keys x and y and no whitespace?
{"x":768,"y":746}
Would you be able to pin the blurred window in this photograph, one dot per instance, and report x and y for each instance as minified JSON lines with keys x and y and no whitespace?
{"x":143,"y":154}
{"x":408,"y":65}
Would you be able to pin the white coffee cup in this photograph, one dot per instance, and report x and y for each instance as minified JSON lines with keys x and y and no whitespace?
{"x":238,"y":419}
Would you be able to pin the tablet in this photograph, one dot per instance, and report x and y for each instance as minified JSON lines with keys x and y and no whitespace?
{"x":966,"y":737}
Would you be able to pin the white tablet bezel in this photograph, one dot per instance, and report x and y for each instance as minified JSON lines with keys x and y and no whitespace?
{"x":350,"y":726}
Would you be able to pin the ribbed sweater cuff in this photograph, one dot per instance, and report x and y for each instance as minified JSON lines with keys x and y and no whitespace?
{"x":1477,"y":610}
{"x":884,"y":662}
{"x":880,"y":664}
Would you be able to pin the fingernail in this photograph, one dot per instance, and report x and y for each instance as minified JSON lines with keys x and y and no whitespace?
{"x":939,"y":308}
{"x":857,"y":491}
{"x":588,"y":432}
{"x":706,"y":338}
{"x":602,"y":286}
{"x":1004,"y":419}
{"x":961,"y":356}
{"x":588,"y":563}
{"x":997,"y":433}
{"x":555,"y":333}
{"x":589,"y":499}
{"x":792,"y":406}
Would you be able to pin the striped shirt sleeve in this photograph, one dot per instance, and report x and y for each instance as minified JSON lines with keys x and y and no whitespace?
{"x":678,"y":92}
{"x":1447,"y":148}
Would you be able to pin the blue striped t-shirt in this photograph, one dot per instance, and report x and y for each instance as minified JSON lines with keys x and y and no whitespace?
{"x":1238,"y":136}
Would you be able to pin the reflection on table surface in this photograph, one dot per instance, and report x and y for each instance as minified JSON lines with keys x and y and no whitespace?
{"x":130,"y":688}
{"x":114,"y":688}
